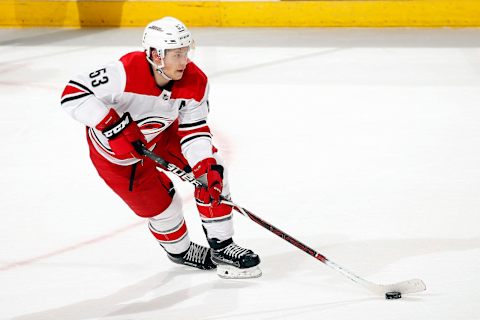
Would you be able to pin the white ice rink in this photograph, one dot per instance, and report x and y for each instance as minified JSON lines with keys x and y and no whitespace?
{"x":364,"y":144}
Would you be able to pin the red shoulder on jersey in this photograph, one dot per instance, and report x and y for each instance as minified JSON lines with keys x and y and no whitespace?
{"x":139,"y":74}
{"x":192,"y":85}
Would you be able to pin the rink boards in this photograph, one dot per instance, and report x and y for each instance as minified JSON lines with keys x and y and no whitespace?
{"x":335,"y":13}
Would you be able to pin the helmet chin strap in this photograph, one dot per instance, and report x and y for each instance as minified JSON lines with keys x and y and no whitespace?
{"x":159,"y":69}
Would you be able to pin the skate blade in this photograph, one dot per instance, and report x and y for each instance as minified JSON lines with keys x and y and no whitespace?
{"x":231,"y":272}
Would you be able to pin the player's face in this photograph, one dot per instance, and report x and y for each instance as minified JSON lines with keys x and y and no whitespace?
{"x":175,"y":62}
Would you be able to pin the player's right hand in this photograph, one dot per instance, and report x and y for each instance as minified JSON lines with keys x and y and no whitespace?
{"x":122,"y":133}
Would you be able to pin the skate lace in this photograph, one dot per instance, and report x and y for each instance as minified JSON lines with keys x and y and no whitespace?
{"x":235,"y":251}
{"x":196,"y":253}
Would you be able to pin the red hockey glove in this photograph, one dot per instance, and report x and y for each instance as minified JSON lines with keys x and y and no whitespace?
{"x":214,"y":176}
{"x":121,"y":133}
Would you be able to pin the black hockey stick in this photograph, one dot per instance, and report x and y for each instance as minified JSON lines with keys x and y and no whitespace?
{"x":404,"y":287}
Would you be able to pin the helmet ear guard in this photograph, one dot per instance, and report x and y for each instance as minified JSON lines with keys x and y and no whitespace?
{"x":149,"y":54}
{"x":157,"y":67}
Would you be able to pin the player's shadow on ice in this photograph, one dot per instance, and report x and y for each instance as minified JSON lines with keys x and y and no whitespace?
{"x":361,"y":257}
{"x":123,"y":302}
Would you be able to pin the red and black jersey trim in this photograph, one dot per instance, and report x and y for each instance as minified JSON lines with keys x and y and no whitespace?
{"x":75,"y":97}
{"x":190,"y":125}
{"x":81,"y":86}
{"x":74,"y":91}
{"x":195,"y":136}
{"x":93,"y":136}
{"x":193,"y":130}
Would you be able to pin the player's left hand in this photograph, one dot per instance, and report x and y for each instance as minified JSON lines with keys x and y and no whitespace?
{"x":214,"y":177}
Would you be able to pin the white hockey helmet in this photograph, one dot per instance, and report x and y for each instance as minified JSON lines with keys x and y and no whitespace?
{"x":163,"y":34}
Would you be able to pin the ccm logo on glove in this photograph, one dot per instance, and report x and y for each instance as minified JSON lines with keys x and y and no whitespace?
{"x":122,"y":133}
{"x":124,"y":121}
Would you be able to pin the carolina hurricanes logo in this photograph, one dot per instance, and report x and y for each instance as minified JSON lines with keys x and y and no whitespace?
{"x":152,"y":126}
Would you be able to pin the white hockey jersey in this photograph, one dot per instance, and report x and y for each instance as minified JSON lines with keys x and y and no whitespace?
{"x":129,"y":85}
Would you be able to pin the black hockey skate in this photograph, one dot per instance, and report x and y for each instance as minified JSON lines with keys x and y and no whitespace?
{"x":196,"y":256}
{"x":233,"y":261}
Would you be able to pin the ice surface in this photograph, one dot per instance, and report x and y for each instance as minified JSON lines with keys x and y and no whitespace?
{"x":364,"y":144}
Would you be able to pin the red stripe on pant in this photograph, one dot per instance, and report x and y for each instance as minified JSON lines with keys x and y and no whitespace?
{"x":172,"y":236}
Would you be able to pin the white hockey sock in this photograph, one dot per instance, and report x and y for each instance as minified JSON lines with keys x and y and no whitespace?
{"x":221,"y":229}
{"x":169,"y":227}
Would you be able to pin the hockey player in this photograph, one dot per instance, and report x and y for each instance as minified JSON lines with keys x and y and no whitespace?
{"x":159,"y":98}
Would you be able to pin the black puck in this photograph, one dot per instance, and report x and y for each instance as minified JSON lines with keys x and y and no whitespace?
{"x":393,"y":295}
